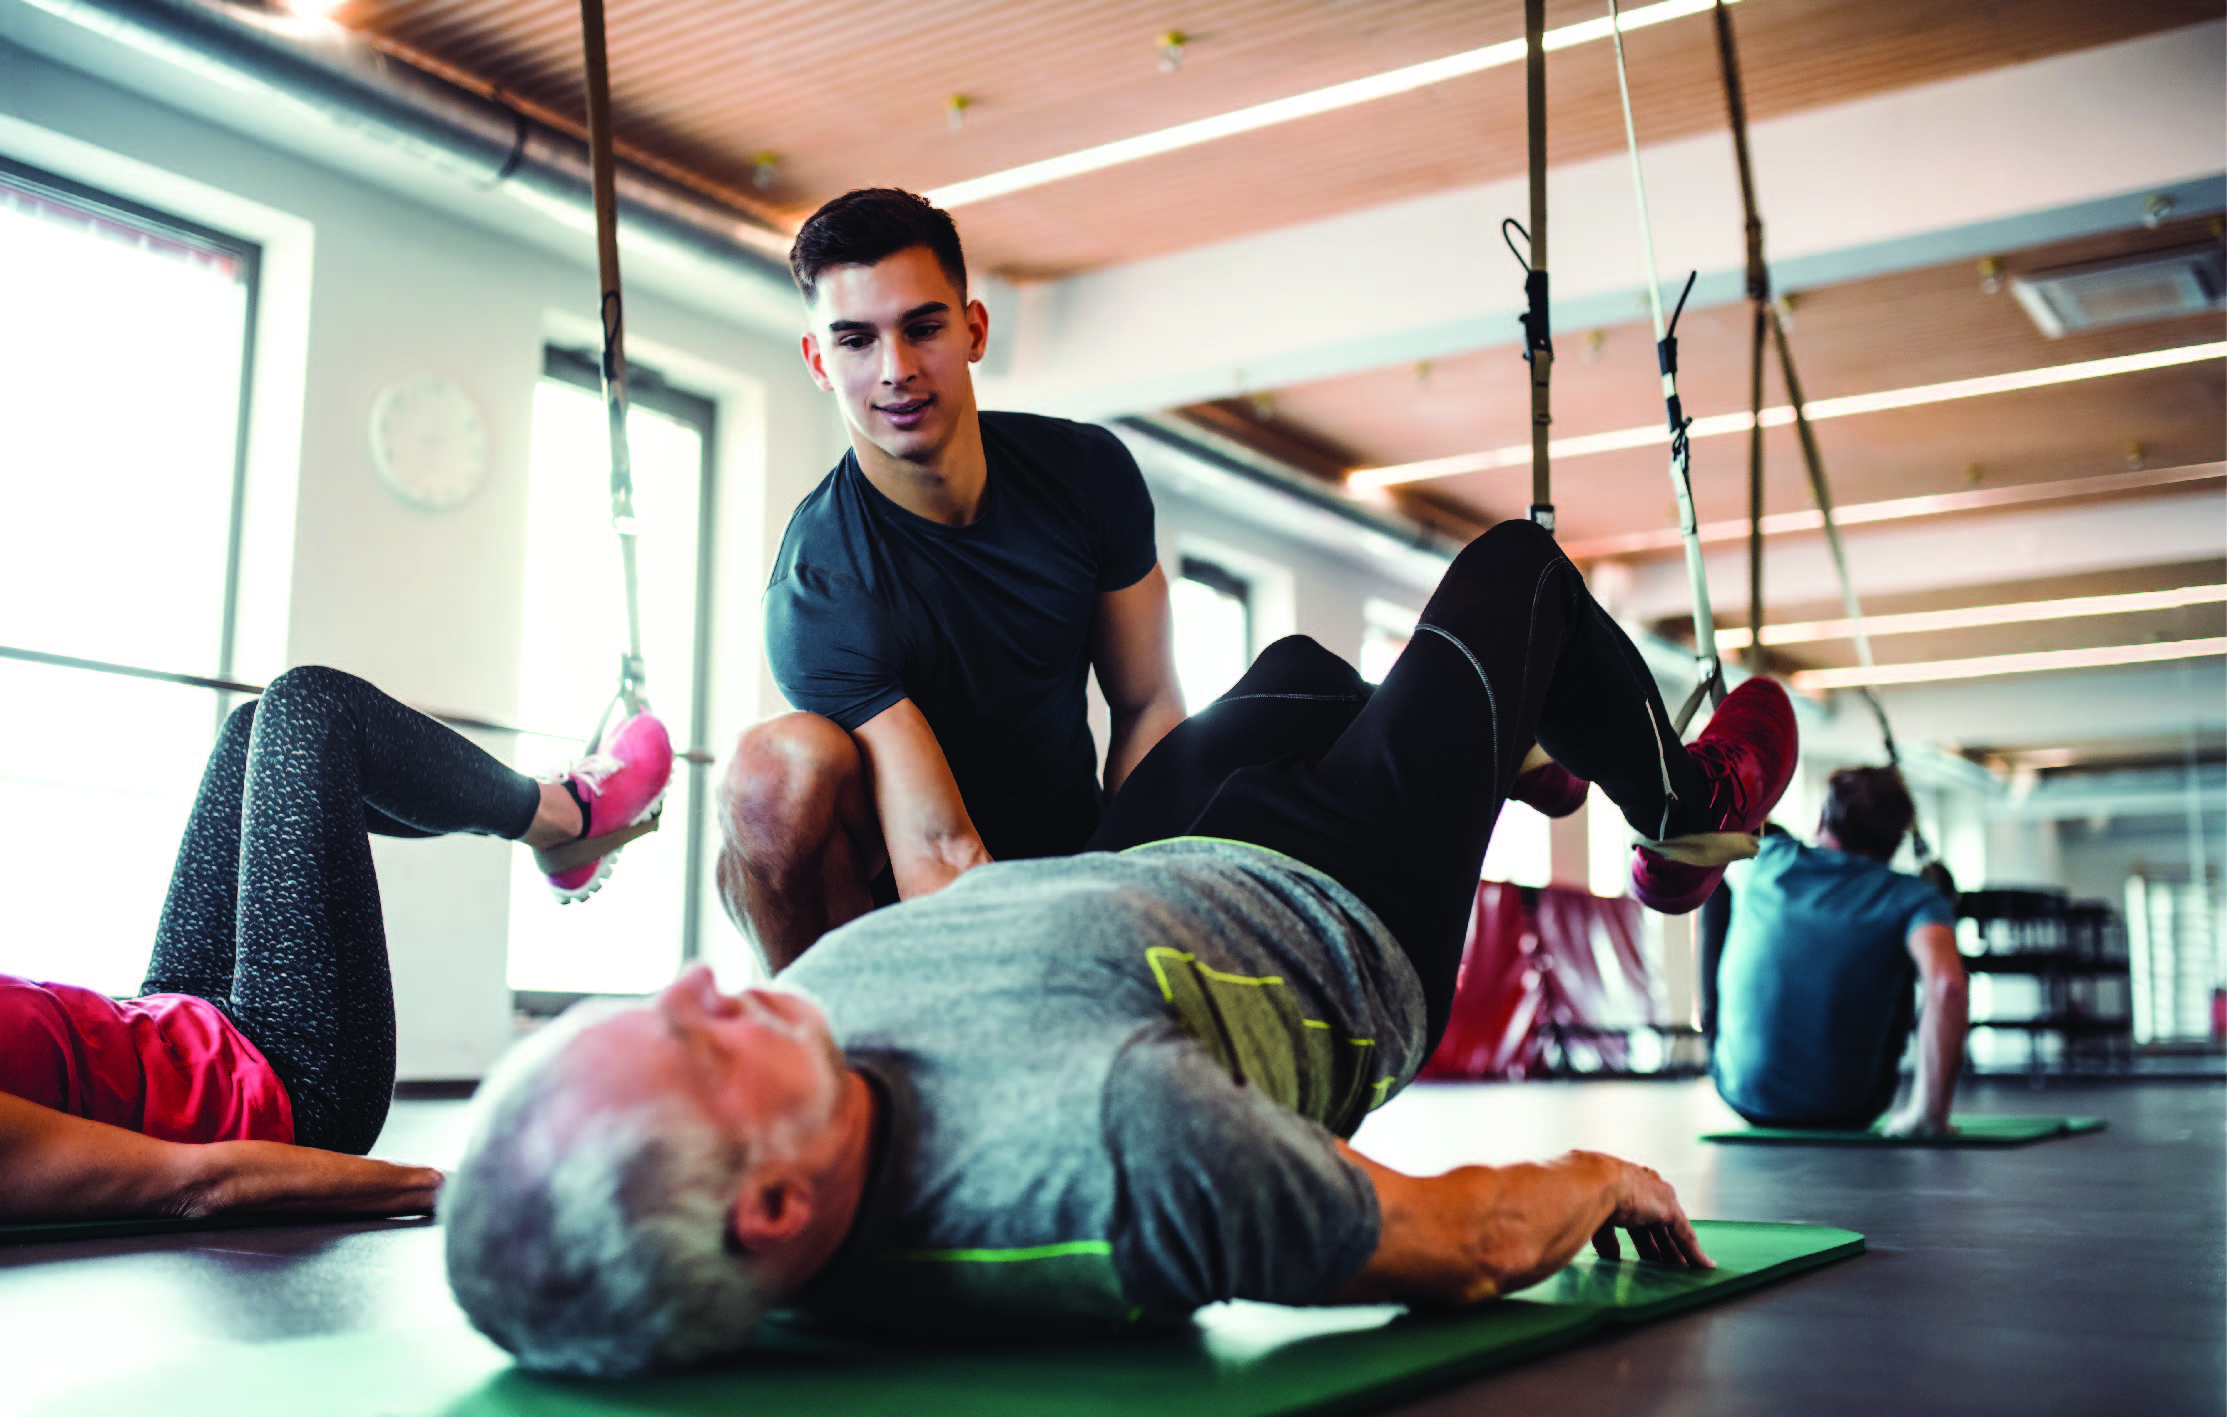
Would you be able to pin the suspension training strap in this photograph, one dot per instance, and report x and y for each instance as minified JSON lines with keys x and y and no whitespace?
{"x":1767,"y":322}
{"x":612,"y":306}
{"x":1814,"y":464}
{"x":1709,"y":668}
{"x":1538,"y":335}
{"x":1759,"y":302}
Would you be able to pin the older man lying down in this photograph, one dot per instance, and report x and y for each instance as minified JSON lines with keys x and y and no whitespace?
{"x":1079,"y":1094}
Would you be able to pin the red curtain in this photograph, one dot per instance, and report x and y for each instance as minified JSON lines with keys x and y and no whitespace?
{"x":1543,"y":969}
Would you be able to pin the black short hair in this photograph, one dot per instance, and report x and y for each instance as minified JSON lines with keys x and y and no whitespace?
{"x":868,"y":226}
{"x":1867,"y":810}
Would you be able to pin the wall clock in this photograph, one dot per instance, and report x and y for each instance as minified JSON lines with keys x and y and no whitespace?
{"x":428,"y":442}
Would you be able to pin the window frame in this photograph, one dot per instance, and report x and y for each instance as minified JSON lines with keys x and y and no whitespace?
{"x":122,"y":211}
{"x":1216,"y":577}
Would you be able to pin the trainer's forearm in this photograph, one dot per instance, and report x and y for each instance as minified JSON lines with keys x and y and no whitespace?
{"x":926,"y":861}
{"x":1941,"y":1030}
{"x":1480,"y":1232}
{"x":924,"y":821}
{"x":1135,"y":734}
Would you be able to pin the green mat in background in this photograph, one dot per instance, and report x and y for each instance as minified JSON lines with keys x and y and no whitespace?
{"x":1970,"y":1131}
{"x":39,"y":1232}
{"x":1240,"y":1360}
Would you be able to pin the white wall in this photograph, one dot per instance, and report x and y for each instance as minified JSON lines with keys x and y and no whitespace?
{"x":372,"y":286}
{"x":2098,"y":859}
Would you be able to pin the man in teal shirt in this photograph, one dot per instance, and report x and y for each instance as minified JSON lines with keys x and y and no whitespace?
{"x":1813,"y":990}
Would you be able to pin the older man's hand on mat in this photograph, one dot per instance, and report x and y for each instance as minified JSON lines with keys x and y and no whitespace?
{"x":1479,"y":1232}
{"x":1649,"y":1209}
{"x":241,"y":1177}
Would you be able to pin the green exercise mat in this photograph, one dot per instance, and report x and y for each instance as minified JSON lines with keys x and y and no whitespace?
{"x":1970,"y":1131}
{"x":1238,"y":1360}
{"x":39,"y":1232}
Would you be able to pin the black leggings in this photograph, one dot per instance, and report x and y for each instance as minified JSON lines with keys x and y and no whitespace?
{"x":1393,"y":794}
{"x":273,"y":911}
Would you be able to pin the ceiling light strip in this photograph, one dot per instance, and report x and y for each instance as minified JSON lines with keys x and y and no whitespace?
{"x":1984,"y":499}
{"x":1976,"y":617}
{"x":1780,"y":415}
{"x":1283,"y":110}
{"x":2040,"y":661}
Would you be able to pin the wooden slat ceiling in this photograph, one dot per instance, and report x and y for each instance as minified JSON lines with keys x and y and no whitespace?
{"x":1915,"y":327}
{"x":853,"y":95}
{"x":2141,"y":627}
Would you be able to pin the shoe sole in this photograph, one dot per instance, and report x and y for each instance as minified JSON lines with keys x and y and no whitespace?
{"x":603,"y":850}
{"x":1711,"y":852}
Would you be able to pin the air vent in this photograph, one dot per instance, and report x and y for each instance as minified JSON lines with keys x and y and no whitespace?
{"x":2123,"y":292}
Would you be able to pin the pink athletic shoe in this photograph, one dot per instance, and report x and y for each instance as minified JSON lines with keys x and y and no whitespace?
{"x":620,"y":786}
{"x":1550,"y":789}
{"x":1747,"y":753}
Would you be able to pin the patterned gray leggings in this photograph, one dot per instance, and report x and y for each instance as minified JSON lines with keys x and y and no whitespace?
{"x":273,"y":912}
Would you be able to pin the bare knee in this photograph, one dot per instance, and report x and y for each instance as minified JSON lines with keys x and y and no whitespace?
{"x":783,"y":789}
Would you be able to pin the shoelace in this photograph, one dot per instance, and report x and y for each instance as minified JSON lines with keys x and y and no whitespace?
{"x":1727,"y":793}
{"x":591,"y":771}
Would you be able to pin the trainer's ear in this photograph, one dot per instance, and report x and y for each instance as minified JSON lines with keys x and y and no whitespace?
{"x":773,"y":1205}
{"x":815,"y":362}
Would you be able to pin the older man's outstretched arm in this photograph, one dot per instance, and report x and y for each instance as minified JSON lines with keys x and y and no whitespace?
{"x":1479,"y":1232}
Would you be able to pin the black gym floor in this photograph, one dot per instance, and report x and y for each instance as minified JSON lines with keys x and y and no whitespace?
{"x":2084,"y":1275}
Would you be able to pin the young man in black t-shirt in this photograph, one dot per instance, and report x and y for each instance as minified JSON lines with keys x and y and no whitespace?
{"x":935,"y":607}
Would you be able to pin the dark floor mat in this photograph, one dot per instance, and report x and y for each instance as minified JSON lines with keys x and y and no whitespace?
{"x":1240,"y":1361}
{"x":1970,"y":1131}
{"x":38,"y":1232}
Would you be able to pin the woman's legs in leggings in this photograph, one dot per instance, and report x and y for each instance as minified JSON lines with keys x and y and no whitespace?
{"x":1295,"y":700}
{"x":1511,"y":649}
{"x":273,"y":912}
{"x":194,"y":940}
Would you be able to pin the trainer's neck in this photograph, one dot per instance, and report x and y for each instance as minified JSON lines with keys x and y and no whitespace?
{"x":949,"y":486}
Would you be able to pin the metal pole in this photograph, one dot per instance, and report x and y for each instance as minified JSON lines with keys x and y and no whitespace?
{"x":1759,"y":297}
{"x":1755,"y":486}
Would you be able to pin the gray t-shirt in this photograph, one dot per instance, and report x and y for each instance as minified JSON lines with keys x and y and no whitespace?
{"x":1111,"y":1084}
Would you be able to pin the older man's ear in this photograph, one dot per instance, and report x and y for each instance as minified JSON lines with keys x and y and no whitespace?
{"x":773,"y":1206}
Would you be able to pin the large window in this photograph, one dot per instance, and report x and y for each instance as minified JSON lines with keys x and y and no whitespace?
{"x":124,"y":353}
{"x":643,"y":922}
{"x":2174,"y":929}
{"x":1213,"y":619}
{"x":1385,"y":630}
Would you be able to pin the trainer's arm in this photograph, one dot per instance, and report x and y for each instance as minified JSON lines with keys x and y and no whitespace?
{"x":1136,"y":672}
{"x":57,"y":1167}
{"x":1479,"y":1232}
{"x":1942,"y":1021}
{"x":931,"y":839}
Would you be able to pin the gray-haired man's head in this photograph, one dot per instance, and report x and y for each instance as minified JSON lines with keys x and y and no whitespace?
{"x":641,"y":1184}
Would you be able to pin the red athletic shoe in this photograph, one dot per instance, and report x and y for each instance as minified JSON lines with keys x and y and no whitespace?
{"x":621,"y":786}
{"x":1747,"y":754}
{"x":1550,"y":789}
